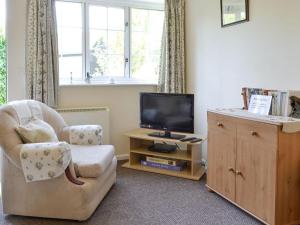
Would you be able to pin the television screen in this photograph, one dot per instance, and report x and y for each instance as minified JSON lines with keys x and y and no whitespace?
{"x":171,"y":112}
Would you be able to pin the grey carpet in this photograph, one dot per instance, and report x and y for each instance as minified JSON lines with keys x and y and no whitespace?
{"x":141,"y":198}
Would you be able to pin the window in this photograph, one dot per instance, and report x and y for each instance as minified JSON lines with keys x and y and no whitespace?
{"x":70,"y":39}
{"x":109,"y":43}
{"x":107,"y":32}
{"x":146,"y":35}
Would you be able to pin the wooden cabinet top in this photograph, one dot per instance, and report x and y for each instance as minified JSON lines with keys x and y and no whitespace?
{"x":244,"y":114}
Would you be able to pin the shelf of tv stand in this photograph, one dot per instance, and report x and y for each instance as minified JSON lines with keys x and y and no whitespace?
{"x":178,"y":154}
{"x":139,"y":141}
{"x":182,"y":174}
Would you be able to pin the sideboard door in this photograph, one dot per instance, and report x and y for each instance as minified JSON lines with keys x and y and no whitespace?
{"x":221,"y":156}
{"x":256,"y":169}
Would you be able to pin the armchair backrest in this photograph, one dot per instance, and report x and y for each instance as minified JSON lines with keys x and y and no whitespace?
{"x":10,"y":119}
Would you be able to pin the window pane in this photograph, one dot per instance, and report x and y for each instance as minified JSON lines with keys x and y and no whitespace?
{"x":139,"y":19}
{"x":70,"y":40}
{"x":98,"y":39}
{"x":106,"y":65}
{"x":68,"y":14}
{"x":98,"y":17}
{"x":115,"y":19}
{"x":106,"y":41}
{"x":115,"y":42}
{"x":70,"y":65}
{"x":70,"y":46}
{"x":115,"y":65}
{"x":98,"y":63}
{"x":146,"y":35}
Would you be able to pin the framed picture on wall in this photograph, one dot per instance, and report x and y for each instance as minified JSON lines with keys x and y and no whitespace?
{"x":234,"y":12}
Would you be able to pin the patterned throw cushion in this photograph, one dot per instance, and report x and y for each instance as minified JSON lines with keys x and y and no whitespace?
{"x":44,"y":161}
{"x":36,"y":131}
{"x":85,"y":135}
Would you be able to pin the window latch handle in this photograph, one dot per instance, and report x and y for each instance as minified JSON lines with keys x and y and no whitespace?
{"x":88,"y":77}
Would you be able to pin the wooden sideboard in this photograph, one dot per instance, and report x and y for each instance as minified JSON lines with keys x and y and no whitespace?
{"x":255,"y":166}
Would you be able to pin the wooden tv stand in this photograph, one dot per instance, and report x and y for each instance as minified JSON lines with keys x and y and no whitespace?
{"x":139,"y":141}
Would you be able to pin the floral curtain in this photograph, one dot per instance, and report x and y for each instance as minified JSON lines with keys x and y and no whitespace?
{"x":42,"y":52}
{"x":172,"y":65}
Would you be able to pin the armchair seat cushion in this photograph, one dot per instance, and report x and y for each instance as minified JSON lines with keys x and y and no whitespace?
{"x":90,"y":161}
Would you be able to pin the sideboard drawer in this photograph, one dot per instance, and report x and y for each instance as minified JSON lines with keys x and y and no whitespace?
{"x":221,"y":123}
{"x":258,"y":132}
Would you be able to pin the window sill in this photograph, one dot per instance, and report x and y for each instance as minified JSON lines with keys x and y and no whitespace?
{"x":82,"y":83}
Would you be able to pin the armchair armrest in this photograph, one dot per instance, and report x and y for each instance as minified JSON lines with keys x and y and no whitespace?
{"x":82,"y":135}
{"x":43,"y":161}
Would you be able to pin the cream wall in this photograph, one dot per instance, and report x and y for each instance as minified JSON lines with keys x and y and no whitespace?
{"x":264,"y":52}
{"x":123,"y":101}
{"x":15,"y":33}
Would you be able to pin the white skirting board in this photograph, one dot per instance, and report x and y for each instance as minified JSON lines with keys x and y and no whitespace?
{"x":88,"y":116}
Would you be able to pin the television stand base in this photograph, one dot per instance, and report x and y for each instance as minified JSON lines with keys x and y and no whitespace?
{"x":139,"y":142}
{"x":166,"y":134}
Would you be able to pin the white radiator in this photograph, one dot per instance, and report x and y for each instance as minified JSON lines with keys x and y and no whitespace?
{"x":88,"y":116}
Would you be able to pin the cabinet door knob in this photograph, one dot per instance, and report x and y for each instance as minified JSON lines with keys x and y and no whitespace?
{"x":254,"y":133}
{"x":230,"y":169}
{"x":219,"y":124}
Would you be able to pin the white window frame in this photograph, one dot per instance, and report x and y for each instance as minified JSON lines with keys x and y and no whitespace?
{"x":126,"y":5}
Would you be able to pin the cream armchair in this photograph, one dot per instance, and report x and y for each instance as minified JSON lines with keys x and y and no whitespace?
{"x":73,"y":195}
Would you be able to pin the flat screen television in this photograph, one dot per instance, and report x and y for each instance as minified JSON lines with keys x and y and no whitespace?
{"x":167,"y":112}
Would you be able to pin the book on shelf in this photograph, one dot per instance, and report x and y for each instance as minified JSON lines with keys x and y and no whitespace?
{"x":161,"y":160}
{"x":164,"y":166}
{"x":283,"y":101}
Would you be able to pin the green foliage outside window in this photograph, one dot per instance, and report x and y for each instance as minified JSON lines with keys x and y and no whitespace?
{"x":2,"y":68}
